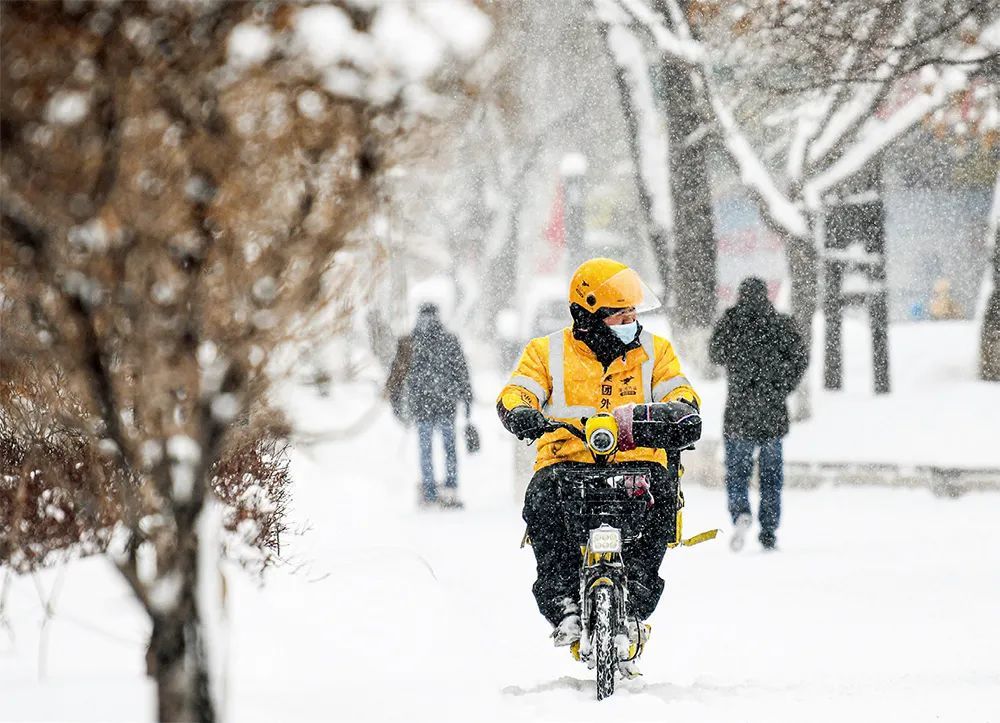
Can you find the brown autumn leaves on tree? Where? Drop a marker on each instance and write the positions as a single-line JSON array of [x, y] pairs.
[[177, 181]]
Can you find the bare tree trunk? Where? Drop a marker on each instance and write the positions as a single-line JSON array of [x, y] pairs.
[[181, 676], [803, 267], [989, 348], [503, 265], [694, 258], [177, 648]]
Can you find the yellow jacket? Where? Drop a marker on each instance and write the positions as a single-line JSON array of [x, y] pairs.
[[561, 377]]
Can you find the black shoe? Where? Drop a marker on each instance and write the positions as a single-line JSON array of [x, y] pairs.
[[767, 540], [426, 498], [448, 498], [569, 628]]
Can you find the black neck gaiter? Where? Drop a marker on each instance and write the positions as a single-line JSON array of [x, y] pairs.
[[592, 331]]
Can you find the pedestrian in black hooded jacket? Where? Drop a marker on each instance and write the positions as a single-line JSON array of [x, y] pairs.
[[428, 379], [765, 358]]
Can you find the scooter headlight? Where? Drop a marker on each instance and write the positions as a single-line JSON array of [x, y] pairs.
[[602, 441], [605, 539], [601, 432]]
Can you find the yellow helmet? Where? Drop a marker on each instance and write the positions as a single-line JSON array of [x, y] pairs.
[[608, 284]]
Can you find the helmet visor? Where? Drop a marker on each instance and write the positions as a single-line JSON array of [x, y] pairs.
[[623, 290]]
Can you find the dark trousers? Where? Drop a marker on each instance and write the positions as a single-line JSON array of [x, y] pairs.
[[557, 556], [425, 431], [739, 469]]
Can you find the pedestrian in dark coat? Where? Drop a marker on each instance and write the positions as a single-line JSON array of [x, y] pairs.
[[765, 358], [428, 380]]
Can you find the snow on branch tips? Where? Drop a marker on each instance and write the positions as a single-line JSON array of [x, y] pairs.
[[682, 47], [858, 106], [753, 173], [877, 133], [405, 45]]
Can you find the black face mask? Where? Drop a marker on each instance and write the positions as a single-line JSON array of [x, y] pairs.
[[591, 330]]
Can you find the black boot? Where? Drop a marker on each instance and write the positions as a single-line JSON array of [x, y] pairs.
[[767, 539]]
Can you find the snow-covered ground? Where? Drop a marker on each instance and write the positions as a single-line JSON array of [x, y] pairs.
[[938, 413], [881, 603]]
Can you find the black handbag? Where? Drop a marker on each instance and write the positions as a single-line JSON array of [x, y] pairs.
[[471, 438]]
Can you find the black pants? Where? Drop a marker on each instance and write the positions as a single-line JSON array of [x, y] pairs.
[[557, 557]]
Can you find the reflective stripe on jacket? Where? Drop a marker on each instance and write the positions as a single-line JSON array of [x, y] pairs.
[[560, 376]]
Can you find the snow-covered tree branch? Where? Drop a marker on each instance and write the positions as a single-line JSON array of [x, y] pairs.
[[646, 131], [838, 81]]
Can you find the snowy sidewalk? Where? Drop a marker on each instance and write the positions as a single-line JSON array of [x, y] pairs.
[[880, 603]]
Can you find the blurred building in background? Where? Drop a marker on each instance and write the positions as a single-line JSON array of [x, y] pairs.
[[937, 200]]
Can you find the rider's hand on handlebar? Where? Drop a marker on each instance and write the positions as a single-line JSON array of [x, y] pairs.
[[691, 403], [526, 423]]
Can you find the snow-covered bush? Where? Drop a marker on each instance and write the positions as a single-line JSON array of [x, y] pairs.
[[60, 493], [179, 181]]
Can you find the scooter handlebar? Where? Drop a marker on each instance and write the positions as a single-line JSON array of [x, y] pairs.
[[672, 426], [554, 424]]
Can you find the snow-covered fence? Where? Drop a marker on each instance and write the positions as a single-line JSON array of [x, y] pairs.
[[943, 481], [705, 466]]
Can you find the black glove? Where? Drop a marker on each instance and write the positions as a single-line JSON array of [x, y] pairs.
[[471, 438], [526, 423], [691, 403]]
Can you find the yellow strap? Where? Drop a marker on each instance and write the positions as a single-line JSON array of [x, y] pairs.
[[700, 537], [695, 539]]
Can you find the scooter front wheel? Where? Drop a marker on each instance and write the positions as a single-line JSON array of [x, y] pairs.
[[604, 648]]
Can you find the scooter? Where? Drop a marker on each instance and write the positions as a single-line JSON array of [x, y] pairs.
[[605, 508]]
